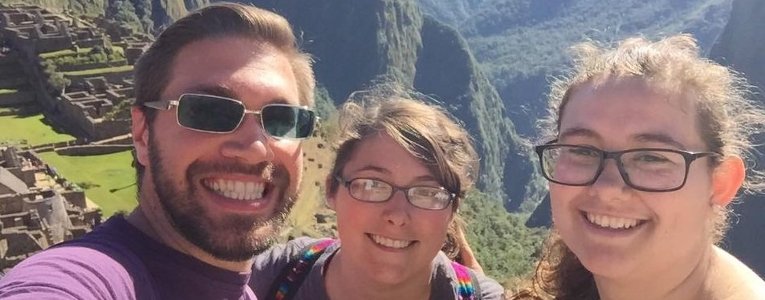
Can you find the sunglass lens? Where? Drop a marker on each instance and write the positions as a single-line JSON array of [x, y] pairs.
[[209, 113], [288, 121]]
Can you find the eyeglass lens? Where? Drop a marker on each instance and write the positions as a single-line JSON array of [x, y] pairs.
[[209, 113], [287, 121]]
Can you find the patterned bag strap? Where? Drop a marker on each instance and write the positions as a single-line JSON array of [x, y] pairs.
[[293, 274], [467, 284]]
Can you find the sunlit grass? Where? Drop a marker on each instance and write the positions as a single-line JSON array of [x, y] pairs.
[[110, 177], [68, 52], [30, 129], [100, 71]]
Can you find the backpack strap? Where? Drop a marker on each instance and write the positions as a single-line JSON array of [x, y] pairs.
[[468, 287], [293, 274]]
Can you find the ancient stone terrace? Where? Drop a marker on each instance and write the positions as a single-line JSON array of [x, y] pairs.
[[124, 36], [86, 106], [39, 30], [38, 208], [90, 105]]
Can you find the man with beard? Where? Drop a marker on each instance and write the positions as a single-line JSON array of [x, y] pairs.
[[220, 112]]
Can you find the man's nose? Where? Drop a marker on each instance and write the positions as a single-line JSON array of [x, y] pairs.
[[249, 142]]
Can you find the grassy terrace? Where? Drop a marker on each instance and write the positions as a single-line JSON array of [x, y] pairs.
[[69, 52], [29, 128], [99, 175], [100, 71]]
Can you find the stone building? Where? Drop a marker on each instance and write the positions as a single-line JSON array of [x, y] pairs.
[[90, 107], [38, 30], [38, 208]]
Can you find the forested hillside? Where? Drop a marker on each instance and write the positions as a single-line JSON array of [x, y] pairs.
[[742, 46], [520, 43]]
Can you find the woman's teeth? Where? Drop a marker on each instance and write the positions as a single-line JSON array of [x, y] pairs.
[[390, 243], [612, 222], [234, 189]]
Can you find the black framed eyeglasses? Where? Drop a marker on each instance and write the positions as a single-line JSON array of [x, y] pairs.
[[215, 114], [376, 191], [643, 169]]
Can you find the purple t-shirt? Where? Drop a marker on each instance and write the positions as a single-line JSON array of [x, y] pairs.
[[118, 261]]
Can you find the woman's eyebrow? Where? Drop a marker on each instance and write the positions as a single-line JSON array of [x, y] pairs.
[[659, 138], [578, 132], [373, 168]]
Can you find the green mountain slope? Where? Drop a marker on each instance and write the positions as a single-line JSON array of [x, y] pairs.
[[520, 43]]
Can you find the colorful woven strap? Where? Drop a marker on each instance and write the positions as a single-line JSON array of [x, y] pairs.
[[465, 289], [298, 271]]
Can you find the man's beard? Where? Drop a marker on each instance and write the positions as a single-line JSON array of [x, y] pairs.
[[235, 237]]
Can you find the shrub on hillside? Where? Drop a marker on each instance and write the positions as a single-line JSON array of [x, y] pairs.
[[504, 246]]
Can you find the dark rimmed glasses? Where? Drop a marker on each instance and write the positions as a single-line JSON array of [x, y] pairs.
[[215, 114], [376, 191], [643, 169]]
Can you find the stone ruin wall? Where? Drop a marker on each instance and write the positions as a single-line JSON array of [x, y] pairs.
[[34, 219], [36, 30]]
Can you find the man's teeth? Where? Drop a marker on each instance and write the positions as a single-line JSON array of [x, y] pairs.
[[390, 243], [612, 222], [240, 190]]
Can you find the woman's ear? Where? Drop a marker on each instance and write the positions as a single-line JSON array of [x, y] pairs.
[[727, 178], [329, 196]]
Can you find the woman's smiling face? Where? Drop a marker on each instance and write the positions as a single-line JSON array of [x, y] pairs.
[[390, 241], [617, 231]]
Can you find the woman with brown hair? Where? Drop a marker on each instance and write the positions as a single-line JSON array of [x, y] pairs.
[[401, 170], [645, 150]]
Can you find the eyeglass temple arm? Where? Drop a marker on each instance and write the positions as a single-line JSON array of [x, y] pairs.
[[162, 104]]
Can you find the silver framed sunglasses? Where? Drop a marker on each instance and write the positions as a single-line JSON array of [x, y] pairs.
[[216, 114]]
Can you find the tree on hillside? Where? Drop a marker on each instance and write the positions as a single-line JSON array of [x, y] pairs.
[[123, 12], [504, 246]]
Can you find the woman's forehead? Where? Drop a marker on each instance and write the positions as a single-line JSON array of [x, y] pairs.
[[629, 108]]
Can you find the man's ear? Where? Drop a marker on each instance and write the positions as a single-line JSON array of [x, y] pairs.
[[328, 195], [727, 178], [140, 130]]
